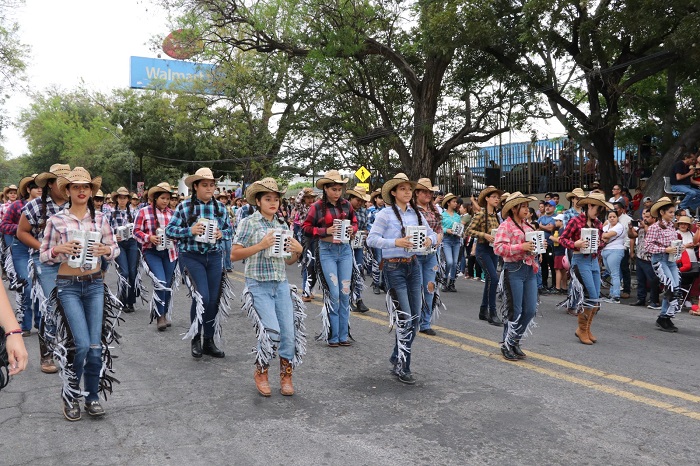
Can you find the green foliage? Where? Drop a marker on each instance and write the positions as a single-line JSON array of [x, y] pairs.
[[13, 54]]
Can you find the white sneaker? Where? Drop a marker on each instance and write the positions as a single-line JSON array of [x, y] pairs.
[[460, 274]]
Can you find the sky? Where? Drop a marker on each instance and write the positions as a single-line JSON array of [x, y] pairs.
[[74, 40]]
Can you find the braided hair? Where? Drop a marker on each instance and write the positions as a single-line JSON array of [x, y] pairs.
[[44, 200], [398, 215]]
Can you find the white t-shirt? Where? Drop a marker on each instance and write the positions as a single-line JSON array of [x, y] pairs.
[[625, 220], [687, 237], [618, 242]]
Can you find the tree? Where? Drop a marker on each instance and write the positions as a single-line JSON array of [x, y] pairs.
[[12, 53]]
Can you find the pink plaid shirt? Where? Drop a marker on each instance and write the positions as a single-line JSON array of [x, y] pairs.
[[58, 226], [509, 244], [145, 227], [658, 239]]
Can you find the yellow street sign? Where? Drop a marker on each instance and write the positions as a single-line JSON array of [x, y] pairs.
[[362, 174], [364, 185]]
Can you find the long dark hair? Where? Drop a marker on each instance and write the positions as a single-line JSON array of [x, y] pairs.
[[192, 217], [44, 200], [413, 205], [259, 196]]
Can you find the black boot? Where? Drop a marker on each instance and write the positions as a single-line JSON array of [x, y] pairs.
[[483, 315], [446, 287], [197, 347], [517, 351], [451, 286], [508, 353], [494, 319], [211, 349], [360, 306]]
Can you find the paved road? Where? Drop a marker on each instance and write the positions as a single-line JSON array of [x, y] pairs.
[[633, 398]]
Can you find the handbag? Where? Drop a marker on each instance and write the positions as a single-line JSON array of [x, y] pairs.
[[565, 262]]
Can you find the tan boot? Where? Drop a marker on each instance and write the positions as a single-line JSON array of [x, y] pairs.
[[47, 364], [594, 311], [286, 387], [261, 382], [162, 323], [582, 330]]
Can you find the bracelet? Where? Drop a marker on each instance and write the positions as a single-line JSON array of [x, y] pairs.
[[14, 332]]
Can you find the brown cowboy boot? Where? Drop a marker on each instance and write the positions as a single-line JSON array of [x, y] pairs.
[[261, 382], [48, 366], [582, 330], [594, 311], [286, 387]]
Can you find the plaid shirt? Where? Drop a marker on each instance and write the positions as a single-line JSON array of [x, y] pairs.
[[481, 225], [362, 218], [659, 236], [10, 219], [32, 212], [569, 214], [179, 226], [572, 232], [250, 232], [434, 219], [316, 223], [299, 213], [3, 209], [509, 242], [119, 218], [640, 247], [58, 226], [145, 227]]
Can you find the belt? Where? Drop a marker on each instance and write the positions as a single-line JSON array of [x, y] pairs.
[[400, 260], [81, 278]]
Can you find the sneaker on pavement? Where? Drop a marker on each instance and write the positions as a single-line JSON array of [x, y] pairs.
[[428, 331], [407, 378], [376, 290], [638, 303], [654, 306], [94, 408], [611, 300]]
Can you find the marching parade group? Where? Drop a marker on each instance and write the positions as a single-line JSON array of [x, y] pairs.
[[60, 238]]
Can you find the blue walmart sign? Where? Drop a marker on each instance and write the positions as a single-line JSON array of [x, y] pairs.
[[158, 73]]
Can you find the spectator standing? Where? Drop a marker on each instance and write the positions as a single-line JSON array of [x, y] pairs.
[[647, 281], [547, 224]]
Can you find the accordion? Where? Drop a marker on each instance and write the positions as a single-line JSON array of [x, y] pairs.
[[283, 238], [458, 229], [163, 241], [537, 240], [125, 232], [343, 231], [210, 228], [493, 233], [417, 234], [591, 235], [86, 259], [677, 244], [359, 240]]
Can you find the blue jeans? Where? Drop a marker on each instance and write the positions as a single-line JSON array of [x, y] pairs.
[[451, 244], [488, 260], [83, 305], [612, 259], [691, 200], [378, 257], [47, 280], [646, 274], [428, 266], [590, 275], [226, 244], [406, 280], [20, 259], [163, 269], [128, 262], [625, 272], [273, 303], [523, 287], [336, 262], [670, 269], [205, 272]]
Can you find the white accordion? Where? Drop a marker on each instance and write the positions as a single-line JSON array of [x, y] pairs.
[[677, 244], [359, 240], [458, 228], [280, 249], [125, 232], [343, 231], [211, 226], [537, 240], [163, 241], [86, 259], [592, 236], [493, 233], [417, 234]]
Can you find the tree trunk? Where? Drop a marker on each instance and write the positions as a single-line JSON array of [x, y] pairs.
[[604, 142], [655, 184]]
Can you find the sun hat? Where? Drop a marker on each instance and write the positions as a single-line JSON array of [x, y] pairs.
[[9, 188], [685, 219], [448, 197], [576, 192], [659, 204], [24, 185], [504, 197], [79, 175], [426, 185], [201, 174], [392, 183], [56, 170], [514, 199], [266, 185], [331, 177], [122, 191], [163, 187], [487, 191], [358, 191], [595, 199], [374, 194]]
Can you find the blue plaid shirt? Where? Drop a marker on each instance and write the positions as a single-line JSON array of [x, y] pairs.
[[32, 211], [179, 226], [119, 218], [371, 214], [362, 219]]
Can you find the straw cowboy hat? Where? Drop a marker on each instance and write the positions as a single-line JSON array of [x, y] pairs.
[[122, 191], [659, 204], [504, 197], [595, 199], [308, 192], [56, 170], [576, 192], [392, 183], [487, 191], [135, 196], [448, 197], [358, 191], [201, 174], [163, 187], [99, 193], [266, 185], [8, 189], [79, 175], [374, 194], [24, 185], [427, 185], [513, 200], [222, 194], [331, 177], [685, 219]]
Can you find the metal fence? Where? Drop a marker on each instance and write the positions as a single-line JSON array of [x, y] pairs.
[[543, 166]]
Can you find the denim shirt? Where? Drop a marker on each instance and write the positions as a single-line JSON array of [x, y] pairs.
[[386, 229]]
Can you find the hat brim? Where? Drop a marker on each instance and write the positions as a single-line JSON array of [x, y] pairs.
[[95, 183], [156, 190], [487, 192], [447, 199], [654, 210], [352, 192], [321, 182], [510, 203], [192, 178], [583, 201], [23, 184], [432, 189], [256, 188], [391, 184]]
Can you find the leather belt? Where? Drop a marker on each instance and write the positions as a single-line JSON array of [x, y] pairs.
[[396, 260], [81, 278]]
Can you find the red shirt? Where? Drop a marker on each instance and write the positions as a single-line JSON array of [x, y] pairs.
[[572, 232]]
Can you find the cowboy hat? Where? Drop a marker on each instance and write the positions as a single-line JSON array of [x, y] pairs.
[[427, 185], [163, 187], [504, 197], [308, 192], [487, 191], [56, 170], [99, 193], [266, 185], [223, 194], [659, 204], [331, 177], [595, 199], [359, 192], [576, 192], [122, 191], [201, 174], [374, 194], [79, 175], [8, 189], [24, 185], [685, 219], [513, 200], [448, 197], [135, 196], [392, 183]]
